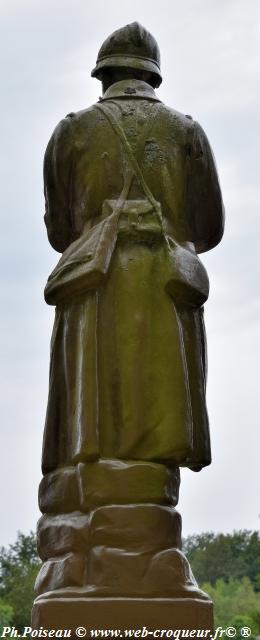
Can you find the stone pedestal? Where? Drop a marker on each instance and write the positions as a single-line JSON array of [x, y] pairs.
[[110, 541], [147, 614]]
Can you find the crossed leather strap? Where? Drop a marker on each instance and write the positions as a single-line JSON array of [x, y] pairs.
[[134, 168]]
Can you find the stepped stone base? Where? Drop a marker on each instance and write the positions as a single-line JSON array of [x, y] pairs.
[[146, 614], [110, 541]]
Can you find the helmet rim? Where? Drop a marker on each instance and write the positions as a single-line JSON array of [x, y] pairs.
[[127, 61]]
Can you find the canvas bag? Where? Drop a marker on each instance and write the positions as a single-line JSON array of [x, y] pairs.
[[85, 263]]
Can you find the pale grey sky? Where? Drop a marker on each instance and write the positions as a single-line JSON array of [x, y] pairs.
[[211, 68]]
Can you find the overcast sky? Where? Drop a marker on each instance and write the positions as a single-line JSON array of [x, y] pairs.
[[211, 68]]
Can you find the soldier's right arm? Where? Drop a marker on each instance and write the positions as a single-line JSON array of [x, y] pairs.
[[57, 186]]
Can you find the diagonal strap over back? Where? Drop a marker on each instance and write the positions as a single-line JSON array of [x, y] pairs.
[[187, 278], [119, 131]]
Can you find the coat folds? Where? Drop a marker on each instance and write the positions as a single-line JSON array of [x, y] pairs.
[[128, 360]]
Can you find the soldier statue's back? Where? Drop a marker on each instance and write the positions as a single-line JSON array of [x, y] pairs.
[[132, 196]]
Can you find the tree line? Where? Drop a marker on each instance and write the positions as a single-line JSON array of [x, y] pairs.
[[227, 567]]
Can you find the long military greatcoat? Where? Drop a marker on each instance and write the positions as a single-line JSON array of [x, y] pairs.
[[128, 361]]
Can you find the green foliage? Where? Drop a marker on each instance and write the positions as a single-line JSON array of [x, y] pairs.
[[6, 614], [244, 621], [19, 565], [215, 556], [228, 568], [236, 604]]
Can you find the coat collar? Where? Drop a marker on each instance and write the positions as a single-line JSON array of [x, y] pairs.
[[130, 89]]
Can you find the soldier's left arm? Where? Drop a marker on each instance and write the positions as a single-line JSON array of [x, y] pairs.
[[205, 205]]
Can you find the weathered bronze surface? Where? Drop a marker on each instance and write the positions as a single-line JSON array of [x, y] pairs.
[[132, 196]]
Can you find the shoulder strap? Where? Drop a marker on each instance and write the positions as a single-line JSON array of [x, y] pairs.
[[119, 131]]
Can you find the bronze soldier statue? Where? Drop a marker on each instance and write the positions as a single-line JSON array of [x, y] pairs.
[[132, 196]]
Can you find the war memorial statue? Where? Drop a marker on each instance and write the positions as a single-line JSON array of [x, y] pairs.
[[132, 196]]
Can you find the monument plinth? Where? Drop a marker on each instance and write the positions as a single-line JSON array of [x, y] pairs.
[[132, 196]]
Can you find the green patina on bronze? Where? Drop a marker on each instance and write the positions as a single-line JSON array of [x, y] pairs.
[[130, 47], [132, 196]]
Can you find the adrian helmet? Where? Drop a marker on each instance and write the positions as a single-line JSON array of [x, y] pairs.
[[131, 46]]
